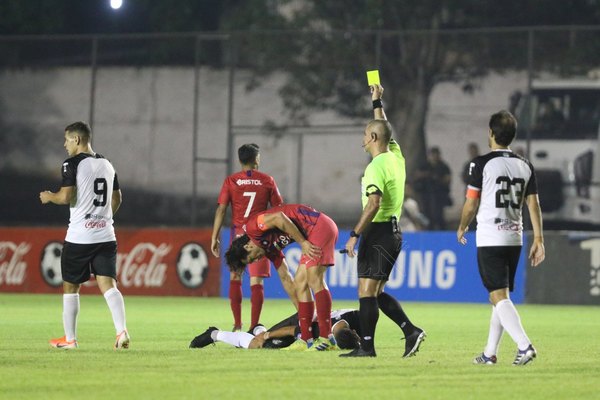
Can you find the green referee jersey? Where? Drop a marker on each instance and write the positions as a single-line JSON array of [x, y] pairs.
[[385, 175]]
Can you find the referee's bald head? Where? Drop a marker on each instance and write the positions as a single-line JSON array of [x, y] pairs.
[[382, 128]]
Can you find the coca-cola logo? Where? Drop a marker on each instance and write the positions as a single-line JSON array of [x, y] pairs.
[[192, 265], [143, 266], [50, 264], [95, 224], [12, 266]]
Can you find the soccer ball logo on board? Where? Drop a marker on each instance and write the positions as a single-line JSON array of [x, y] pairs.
[[50, 264], [192, 265]]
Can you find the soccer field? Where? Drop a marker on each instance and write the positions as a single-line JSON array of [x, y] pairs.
[[159, 364]]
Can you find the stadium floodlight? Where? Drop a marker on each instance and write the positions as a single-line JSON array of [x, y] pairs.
[[116, 4]]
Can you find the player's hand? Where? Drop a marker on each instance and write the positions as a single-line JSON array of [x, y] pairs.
[[376, 91], [309, 249], [460, 235], [45, 196], [215, 247], [258, 341], [350, 244], [537, 253]]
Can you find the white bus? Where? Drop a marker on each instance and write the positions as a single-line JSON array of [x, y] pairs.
[[562, 120]]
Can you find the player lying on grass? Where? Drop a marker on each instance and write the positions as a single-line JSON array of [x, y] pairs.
[[345, 328]]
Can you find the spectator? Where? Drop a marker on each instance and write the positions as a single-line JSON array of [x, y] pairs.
[[432, 183], [550, 119], [412, 219], [473, 151]]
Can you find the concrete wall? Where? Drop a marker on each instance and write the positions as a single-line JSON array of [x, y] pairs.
[[143, 123]]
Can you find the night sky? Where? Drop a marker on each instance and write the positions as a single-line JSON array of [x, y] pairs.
[[96, 16]]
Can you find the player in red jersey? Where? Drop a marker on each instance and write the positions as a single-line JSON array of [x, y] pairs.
[[267, 234], [249, 192]]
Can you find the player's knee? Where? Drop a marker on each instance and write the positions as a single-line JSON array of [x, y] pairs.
[[255, 280], [316, 282], [301, 285], [497, 296], [70, 288]]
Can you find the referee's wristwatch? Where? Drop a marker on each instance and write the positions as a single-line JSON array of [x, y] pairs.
[[354, 234]]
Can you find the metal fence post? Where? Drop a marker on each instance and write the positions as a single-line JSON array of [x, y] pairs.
[[378, 49], [193, 213], [300, 154], [94, 66], [230, 94], [530, 39]]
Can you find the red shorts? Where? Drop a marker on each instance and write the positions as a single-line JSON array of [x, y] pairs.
[[259, 268], [324, 235]]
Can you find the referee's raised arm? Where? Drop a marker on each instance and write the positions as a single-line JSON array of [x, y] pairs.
[[376, 95]]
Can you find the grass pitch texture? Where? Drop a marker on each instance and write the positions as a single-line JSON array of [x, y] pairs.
[[159, 364]]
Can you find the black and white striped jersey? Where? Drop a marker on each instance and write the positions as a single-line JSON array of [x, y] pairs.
[[94, 178], [502, 180], [348, 315]]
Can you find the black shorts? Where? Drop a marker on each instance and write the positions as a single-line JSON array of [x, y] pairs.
[[280, 343], [498, 266], [292, 320], [378, 250], [79, 260]]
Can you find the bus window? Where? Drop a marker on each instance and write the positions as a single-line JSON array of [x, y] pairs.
[[563, 114], [549, 119]]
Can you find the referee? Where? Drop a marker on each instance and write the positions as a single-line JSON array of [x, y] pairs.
[[382, 198]]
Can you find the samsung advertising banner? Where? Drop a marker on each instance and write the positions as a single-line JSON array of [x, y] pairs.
[[432, 267]]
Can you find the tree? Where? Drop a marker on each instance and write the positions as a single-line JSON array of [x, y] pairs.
[[326, 47]]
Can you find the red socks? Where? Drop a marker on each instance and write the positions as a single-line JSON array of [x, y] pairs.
[[235, 299], [306, 311], [257, 299], [323, 301]]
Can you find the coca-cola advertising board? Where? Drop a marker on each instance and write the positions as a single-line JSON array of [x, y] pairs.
[[162, 262]]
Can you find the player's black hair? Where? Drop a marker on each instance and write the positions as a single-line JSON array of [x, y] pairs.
[[80, 127], [236, 254], [504, 127], [346, 339], [247, 153]]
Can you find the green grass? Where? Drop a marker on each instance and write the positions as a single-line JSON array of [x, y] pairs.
[[160, 366]]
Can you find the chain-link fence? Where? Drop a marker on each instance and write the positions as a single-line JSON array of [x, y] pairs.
[[169, 110]]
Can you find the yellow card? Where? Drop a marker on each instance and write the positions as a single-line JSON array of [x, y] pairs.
[[373, 77]]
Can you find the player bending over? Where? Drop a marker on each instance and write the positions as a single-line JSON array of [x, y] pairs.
[[267, 234]]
